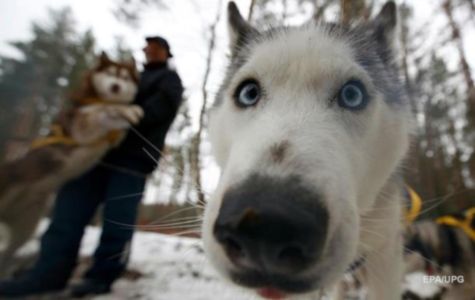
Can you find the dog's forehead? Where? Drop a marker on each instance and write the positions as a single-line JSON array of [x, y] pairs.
[[305, 52], [116, 70], [313, 52]]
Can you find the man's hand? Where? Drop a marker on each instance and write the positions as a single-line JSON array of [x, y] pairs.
[[94, 122], [120, 116]]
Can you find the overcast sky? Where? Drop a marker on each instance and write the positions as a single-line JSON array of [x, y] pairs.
[[184, 24]]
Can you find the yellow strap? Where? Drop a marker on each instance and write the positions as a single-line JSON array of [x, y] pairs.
[[465, 224], [416, 205], [58, 137], [52, 140], [88, 101], [470, 213]]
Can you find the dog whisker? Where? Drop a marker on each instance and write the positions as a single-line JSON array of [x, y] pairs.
[[163, 157], [384, 238], [125, 196], [176, 212], [179, 170]]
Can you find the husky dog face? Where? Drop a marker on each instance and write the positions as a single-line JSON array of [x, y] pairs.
[[115, 82], [309, 125]]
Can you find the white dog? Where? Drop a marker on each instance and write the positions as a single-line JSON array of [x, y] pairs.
[[310, 127]]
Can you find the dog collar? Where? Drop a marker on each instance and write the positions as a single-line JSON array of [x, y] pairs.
[[356, 264]]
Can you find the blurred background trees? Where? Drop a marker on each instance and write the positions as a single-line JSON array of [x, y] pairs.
[[435, 67], [33, 87]]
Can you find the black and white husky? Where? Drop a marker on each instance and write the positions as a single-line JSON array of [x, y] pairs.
[[443, 251], [310, 127]]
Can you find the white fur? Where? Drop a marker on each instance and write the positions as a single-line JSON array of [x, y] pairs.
[[348, 157], [104, 81]]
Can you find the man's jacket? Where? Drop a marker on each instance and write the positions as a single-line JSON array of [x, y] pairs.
[[159, 94]]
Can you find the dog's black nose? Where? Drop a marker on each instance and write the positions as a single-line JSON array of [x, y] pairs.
[[115, 88], [272, 225]]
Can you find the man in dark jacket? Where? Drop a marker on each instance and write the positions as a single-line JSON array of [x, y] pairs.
[[117, 183]]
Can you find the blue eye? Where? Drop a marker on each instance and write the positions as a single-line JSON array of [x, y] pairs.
[[247, 94], [353, 95]]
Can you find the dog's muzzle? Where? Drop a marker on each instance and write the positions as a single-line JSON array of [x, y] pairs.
[[272, 230]]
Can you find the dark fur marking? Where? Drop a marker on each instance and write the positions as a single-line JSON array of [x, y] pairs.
[[279, 151], [450, 247]]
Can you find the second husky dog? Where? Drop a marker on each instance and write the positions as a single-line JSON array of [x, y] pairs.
[[445, 251], [97, 122], [310, 127]]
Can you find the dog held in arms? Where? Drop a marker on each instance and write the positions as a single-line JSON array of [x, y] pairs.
[[98, 120], [310, 128]]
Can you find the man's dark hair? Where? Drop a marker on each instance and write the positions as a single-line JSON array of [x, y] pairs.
[[160, 41]]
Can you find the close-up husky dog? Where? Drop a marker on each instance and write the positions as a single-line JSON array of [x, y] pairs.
[[310, 127], [445, 251], [97, 121]]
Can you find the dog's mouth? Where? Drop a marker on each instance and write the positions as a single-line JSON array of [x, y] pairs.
[[278, 286], [271, 293], [273, 286]]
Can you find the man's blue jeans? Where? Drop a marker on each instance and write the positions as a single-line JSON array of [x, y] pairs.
[[76, 204]]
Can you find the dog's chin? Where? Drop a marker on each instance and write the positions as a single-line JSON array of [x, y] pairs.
[[115, 98], [126, 96], [275, 286]]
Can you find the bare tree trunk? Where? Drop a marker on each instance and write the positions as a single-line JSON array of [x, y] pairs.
[[458, 40], [456, 174], [197, 140], [251, 10], [319, 10], [285, 7], [471, 4], [466, 71], [178, 176], [352, 10]]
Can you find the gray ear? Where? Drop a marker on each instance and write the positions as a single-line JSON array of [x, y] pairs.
[[239, 29], [386, 24]]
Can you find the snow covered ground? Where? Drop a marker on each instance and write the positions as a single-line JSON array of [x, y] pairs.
[[175, 268]]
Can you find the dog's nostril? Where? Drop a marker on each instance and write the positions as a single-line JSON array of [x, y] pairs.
[[291, 255], [233, 248]]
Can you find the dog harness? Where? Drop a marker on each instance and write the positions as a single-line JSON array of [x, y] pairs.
[[414, 205], [58, 136], [467, 223]]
